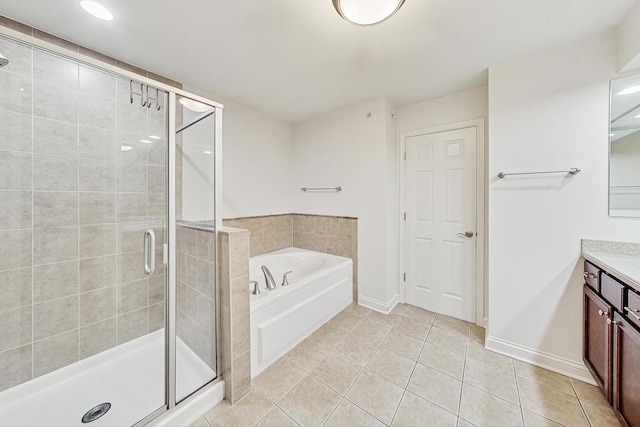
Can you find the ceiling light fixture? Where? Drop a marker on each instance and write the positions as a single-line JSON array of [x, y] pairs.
[[97, 10], [125, 147], [630, 90], [146, 141], [192, 105], [207, 152], [367, 12], [154, 137]]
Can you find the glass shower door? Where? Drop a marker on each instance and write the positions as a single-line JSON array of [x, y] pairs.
[[195, 246]]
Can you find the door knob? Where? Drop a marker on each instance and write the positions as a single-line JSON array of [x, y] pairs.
[[468, 234]]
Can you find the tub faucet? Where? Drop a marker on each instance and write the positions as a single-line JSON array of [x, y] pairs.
[[256, 288], [268, 278], [285, 279]]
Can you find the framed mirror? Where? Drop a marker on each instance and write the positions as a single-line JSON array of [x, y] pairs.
[[624, 147]]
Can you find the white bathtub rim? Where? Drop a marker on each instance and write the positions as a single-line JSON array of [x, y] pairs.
[[283, 291]]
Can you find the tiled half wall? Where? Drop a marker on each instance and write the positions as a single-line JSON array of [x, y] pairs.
[[333, 235]]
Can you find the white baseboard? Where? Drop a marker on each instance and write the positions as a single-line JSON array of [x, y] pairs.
[[186, 413], [541, 359], [382, 307]]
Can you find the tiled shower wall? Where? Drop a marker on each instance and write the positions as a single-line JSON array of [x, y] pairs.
[[321, 233], [196, 290], [74, 209]]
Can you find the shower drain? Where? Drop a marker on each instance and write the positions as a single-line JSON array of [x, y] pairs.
[[96, 412]]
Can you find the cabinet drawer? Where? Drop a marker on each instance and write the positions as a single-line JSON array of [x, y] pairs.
[[591, 275], [612, 290], [632, 309]]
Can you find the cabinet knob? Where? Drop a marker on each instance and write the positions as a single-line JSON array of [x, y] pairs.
[[611, 322], [601, 313], [588, 275]]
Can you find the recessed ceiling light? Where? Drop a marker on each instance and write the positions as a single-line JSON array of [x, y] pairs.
[[97, 10], [154, 137], [196, 106], [366, 12], [21, 89], [146, 141], [630, 90], [124, 147], [207, 152]]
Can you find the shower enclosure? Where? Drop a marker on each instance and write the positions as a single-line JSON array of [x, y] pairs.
[[108, 196]]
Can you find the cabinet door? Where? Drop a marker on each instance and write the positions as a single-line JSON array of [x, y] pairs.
[[626, 402], [597, 345]]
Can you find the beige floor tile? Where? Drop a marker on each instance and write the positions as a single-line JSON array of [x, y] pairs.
[[391, 366], [413, 328], [399, 309], [403, 344], [247, 412], [357, 310], [453, 341], [477, 333], [476, 351], [279, 378], [436, 357], [356, 349], [377, 396], [200, 422], [436, 387], [344, 320], [277, 418], [416, 411], [551, 403], [337, 372], [588, 392], [544, 377], [310, 403], [388, 320], [308, 353], [483, 409], [451, 324], [600, 416], [464, 423], [535, 420], [419, 314], [329, 335], [496, 381], [371, 331], [347, 414]]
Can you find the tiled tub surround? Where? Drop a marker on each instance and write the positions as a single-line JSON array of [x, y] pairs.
[[74, 209], [321, 233], [234, 352], [196, 290], [409, 368]]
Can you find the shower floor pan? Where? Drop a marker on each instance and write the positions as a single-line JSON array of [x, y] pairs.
[[129, 376]]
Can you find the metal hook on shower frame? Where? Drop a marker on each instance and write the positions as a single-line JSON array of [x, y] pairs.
[[142, 101]]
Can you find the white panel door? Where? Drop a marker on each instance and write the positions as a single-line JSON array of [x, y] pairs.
[[440, 199]]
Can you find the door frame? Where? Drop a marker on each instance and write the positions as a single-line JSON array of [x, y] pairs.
[[480, 241]]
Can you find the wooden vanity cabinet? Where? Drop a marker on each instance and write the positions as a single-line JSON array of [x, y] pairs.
[[598, 340], [626, 373]]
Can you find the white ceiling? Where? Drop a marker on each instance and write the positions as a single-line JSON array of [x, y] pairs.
[[295, 59]]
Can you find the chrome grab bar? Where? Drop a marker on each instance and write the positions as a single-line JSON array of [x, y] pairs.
[[321, 188], [149, 252], [571, 171]]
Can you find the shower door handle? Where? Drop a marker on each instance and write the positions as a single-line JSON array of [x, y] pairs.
[[149, 252]]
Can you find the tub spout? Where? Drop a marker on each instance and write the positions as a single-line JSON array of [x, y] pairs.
[[268, 278]]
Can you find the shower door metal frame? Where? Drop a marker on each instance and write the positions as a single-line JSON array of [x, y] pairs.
[[170, 284]]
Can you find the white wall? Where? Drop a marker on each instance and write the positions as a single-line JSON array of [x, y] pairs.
[[257, 165], [349, 149], [628, 34], [548, 111]]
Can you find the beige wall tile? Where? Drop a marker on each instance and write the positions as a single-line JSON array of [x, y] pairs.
[[340, 246], [55, 317], [312, 242], [96, 338], [310, 224], [15, 367], [239, 257], [97, 305], [15, 327], [55, 209], [156, 317], [55, 352], [97, 273], [52, 245], [341, 227], [132, 296], [132, 325], [240, 297], [240, 334], [241, 376], [15, 288], [15, 251]]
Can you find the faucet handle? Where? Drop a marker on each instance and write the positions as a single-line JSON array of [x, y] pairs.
[[256, 288], [285, 280]]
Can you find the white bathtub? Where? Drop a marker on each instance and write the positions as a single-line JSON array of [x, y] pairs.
[[320, 286]]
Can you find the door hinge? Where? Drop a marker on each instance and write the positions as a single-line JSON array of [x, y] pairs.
[[405, 216], [404, 277]]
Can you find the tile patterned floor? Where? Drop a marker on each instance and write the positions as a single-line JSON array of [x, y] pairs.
[[410, 368]]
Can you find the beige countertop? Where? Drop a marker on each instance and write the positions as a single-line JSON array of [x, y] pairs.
[[619, 259]]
